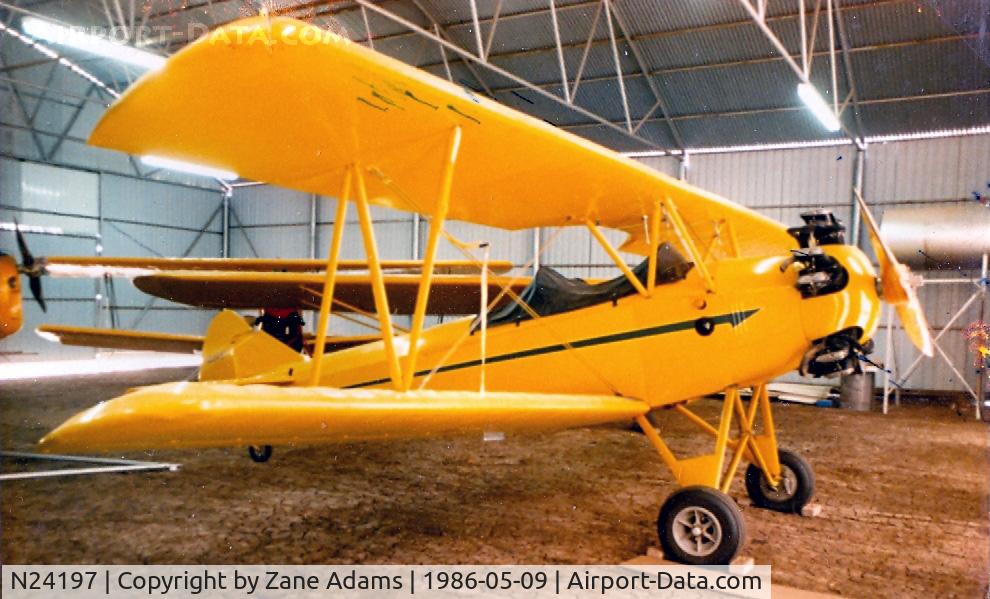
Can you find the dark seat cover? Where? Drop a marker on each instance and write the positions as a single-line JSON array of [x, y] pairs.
[[552, 293]]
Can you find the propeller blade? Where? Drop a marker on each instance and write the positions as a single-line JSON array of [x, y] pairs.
[[27, 260], [34, 284], [916, 325], [896, 285], [27, 267]]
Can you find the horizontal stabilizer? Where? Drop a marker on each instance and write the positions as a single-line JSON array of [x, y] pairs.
[[164, 342], [188, 415], [126, 340]]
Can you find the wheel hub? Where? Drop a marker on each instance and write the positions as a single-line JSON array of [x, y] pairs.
[[786, 487], [697, 531]]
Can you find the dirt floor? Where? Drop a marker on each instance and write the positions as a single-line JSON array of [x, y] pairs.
[[905, 499]]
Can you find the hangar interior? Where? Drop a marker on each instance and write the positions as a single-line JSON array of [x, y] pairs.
[[704, 94], [704, 91]]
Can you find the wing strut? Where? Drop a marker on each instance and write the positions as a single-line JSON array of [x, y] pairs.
[[328, 282], [436, 228], [377, 281], [602, 241], [651, 277], [685, 238]]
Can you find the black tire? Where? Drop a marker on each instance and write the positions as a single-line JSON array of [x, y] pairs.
[[715, 517], [260, 454], [798, 483]]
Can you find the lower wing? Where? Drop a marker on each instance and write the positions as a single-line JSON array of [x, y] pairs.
[[190, 415]]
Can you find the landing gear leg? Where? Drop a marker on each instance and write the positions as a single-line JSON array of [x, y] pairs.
[[700, 524], [260, 454]]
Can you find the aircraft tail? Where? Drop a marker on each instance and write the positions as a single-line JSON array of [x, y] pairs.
[[234, 350]]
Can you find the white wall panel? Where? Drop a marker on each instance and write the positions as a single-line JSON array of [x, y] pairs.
[[807, 178], [515, 246], [34, 347], [159, 203], [59, 190], [277, 241], [667, 165], [267, 204]]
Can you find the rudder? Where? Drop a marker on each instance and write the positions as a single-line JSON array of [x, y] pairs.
[[234, 350]]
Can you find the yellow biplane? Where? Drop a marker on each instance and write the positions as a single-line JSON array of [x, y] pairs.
[[725, 299]]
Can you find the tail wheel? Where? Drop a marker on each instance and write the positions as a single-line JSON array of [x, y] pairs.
[[796, 487], [260, 454], [700, 526]]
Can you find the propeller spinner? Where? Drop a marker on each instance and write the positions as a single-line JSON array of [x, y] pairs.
[[898, 286]]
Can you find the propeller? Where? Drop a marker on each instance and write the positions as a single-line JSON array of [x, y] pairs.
[[898, 285], [30, 267]]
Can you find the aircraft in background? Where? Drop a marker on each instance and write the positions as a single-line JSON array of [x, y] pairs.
[[724, 298], [238, 283]]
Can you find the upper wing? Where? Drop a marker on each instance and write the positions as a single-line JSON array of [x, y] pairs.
[[218, 415], [450, 294], [282, 101], [90, 266]]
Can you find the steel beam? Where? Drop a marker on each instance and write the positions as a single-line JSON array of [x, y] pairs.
[[476, 27], [618, 65], [847, 67], [491, 30], [734, 113], [587, 48], [77, 111], [760, 21], [759, 60], [225, 226], [151, 301], [503, 73], [29, 125], [560, 52], [638, 56], [442, 36], [803, 76], [367, 29], [855, 215]]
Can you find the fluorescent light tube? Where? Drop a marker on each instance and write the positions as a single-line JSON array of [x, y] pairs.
[[93, 44], [188, 167], [814, 101]]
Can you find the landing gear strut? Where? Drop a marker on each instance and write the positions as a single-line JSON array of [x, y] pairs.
[[700, 524]]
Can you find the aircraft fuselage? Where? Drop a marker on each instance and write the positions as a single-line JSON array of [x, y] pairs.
[[680, 342]]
